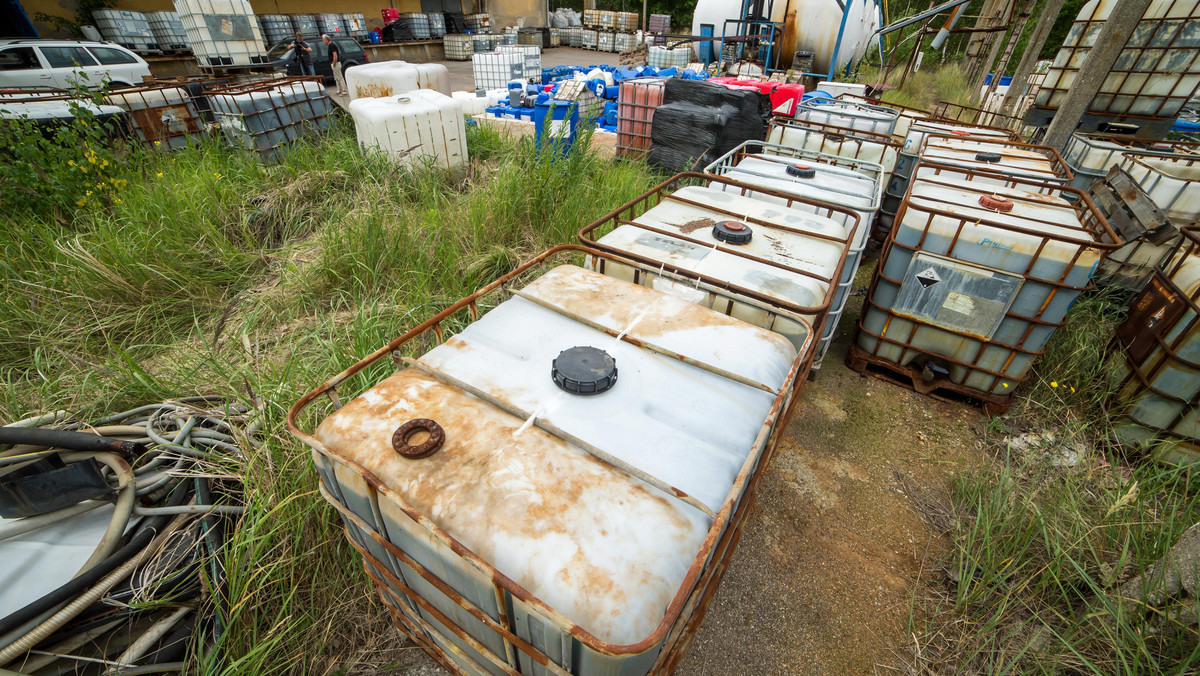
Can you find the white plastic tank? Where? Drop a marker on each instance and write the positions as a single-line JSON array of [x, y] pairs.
[[128, 29], [458, 47], [168, 30], [473, 104], [852, 184], [666, 57], [788, 255], [389, 78], [1171, 182], [266, 117], [1157, 377], [962, 299], [1154, 75], [1007, 160], [1091, 156], [222, 32], [412, 126], [600, 523], [848, 115], [879, 150], [817, 26]]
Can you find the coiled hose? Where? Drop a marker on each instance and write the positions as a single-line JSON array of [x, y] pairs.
[[157, 459]]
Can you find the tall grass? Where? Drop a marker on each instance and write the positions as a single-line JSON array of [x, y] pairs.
[[215, 274], [1044, 536]]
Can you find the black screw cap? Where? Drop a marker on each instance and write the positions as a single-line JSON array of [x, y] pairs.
[[585, 371], [732, 232], [800, 171]]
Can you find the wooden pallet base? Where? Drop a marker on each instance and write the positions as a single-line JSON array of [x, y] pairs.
[[909, 377]]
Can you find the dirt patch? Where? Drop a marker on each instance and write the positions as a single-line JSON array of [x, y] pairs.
[[697, 224], [823, 578]]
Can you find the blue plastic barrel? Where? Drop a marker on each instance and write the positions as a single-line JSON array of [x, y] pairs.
[[556, 123]]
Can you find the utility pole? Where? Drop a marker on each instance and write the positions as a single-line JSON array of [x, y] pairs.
[[1109, 44], [1036, 41]]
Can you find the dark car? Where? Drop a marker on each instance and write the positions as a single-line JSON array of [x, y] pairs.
[[282, 58]]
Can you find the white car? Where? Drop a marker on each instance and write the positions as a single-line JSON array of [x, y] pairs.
[[55, 63]]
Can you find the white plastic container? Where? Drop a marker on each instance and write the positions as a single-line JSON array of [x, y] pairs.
[[1009, 160], [973, 283], [1172, 182], [1154, 76], [1091, 156], [667, 57], [836, 89], [879, 150], [852, 184], [496, 70], [265, 117], [792, 256], [458, 47], [390, 78], [414, 125], [306, 24], [168, 30], [222, 32], [581, 522], [473, 104], [531, 57], [848, 115], [128, 29]]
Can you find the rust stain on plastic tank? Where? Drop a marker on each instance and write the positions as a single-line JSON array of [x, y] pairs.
[[650, 313], [372, 91], [547, 515]]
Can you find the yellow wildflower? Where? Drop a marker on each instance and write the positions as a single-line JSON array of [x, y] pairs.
[[158, 175], [1053, 383], [117, 200], [81, 201]]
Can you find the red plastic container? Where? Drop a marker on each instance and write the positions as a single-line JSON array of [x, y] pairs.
[[390, 15], [785, 98]]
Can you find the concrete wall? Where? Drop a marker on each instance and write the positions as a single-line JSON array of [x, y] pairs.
[[504, 12]]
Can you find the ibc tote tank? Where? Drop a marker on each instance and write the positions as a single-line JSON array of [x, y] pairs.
[[222, 32], [836, 37]]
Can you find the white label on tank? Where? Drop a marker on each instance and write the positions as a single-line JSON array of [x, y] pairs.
[[960, 303], [558, 127]]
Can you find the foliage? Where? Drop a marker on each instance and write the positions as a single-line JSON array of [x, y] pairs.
[[73, 164], [83, 16]]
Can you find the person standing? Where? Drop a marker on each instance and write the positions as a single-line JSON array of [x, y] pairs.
[[335, 62], [302, 53]]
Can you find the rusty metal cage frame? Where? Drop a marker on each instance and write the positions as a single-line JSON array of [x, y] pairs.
[[590, 235], [686, 610], [239, 88], [1091, 220], [148, 126], [1093, 23], [634, 143], [954, 112], [1155, 176], [1142, 372]]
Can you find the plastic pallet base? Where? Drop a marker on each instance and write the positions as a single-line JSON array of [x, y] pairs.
[[909, 377]]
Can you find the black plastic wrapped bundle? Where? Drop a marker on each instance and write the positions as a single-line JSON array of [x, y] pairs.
[[455, 23], [701, 121]]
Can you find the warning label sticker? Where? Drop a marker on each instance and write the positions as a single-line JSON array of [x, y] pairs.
[[928, 277]]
